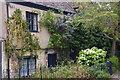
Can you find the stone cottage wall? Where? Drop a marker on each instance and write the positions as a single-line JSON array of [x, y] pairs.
[[43, 36]]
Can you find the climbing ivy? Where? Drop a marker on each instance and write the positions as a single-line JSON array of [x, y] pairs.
[[19, 36], [69, 36], [60, 32]]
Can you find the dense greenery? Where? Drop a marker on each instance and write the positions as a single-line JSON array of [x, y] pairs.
[[115, 63], [104, 16], [60, 33], [64, 71], [84, 38], [73, 71], [69, 36], [98, 70], [91, 56], [94, 60]]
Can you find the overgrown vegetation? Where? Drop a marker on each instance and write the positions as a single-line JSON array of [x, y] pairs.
[[73, 71], [60, 33], [104, 15], [91, 56], [69, 36], [115, 63], [94, 59], [19, 36], [84, 38], [64, 71]]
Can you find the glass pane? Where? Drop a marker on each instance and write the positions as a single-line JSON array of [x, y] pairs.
[[31, 66], [35, 22], [28, 15], [23, 70]]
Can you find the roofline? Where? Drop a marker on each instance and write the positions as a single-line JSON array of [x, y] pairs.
[[41, 7]]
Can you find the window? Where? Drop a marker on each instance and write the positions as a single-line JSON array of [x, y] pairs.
[[27, 66], [32, 20], [52, 60]]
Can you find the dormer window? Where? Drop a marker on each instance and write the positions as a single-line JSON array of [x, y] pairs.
[[32, 19]]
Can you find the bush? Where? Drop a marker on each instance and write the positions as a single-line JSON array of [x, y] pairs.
[[73, 71], [94, 60], [115, 63], [98, 70], [102, 74], [91, 56], [65, 71]]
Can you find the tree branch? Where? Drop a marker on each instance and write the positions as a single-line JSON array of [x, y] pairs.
[[108, 36]]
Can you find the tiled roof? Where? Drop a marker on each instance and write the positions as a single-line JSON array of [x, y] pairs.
[[65, 6]]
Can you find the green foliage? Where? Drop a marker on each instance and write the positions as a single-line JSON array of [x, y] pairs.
[[73, 71], [49, 18], [60, 33], [64, 71], [91, 56], [102, 15], [115, 63], [102, 74], [71, 36], [98, 70], [19, 36], [88, 37]]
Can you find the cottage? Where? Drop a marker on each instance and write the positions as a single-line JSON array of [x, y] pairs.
[[46, 56]]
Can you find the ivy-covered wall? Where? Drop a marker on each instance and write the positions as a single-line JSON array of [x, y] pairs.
[[43, 38], [42, 34]]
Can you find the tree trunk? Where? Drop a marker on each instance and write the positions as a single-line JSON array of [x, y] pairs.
[[113, 47]]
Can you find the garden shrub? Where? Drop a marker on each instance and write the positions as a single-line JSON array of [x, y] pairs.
[[115, 63], [84, 38], [98, 70], [72, 71], [91, 56], [102, 74], [65, 71], [94, 61]]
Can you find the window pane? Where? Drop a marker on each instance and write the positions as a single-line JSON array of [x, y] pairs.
[[24, 68], [31, 66], [35, 22], [32, 21], [27, 15]]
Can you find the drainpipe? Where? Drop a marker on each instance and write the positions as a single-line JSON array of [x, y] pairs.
[[8, 69]]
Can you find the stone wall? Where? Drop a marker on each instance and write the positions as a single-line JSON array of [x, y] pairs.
[[43, 36]]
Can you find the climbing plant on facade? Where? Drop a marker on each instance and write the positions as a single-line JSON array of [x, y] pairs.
[[19, 36], [60, 32], [69, 35]]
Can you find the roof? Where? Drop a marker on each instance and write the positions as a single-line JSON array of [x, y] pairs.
[[65, 6]]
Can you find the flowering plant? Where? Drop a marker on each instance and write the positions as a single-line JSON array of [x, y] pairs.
[[91, 56]]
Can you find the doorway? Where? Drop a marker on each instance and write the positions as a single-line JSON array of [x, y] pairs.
[[52, 60]]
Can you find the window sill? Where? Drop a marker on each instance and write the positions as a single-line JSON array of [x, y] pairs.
[[34, 31]]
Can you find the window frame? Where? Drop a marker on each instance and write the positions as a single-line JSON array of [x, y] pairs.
[[27, 70], [29, 17]]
